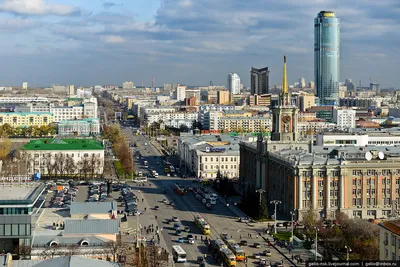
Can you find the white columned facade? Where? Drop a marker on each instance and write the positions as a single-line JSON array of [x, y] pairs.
[[342, 192], [300, 192], [314, 191]]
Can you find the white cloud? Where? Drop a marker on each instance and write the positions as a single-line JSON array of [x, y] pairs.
[[114, 39], [36, 7]]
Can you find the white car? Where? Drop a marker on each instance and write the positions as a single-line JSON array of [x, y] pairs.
[[168, 175], [190, 239]]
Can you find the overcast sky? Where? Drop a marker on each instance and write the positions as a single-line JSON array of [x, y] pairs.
[[193, 42]]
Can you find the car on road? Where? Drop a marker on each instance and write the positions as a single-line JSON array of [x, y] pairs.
[[257, 245], [190, 239], [175, 175], [187, 229], [267, 252], [209, 206], [168, 175], [175, 219], [279, 225], [181, 240], [200, 259], [165, 201], [177, 226], [172, 203], [156, 207], [256, 255], [243, 243], [178, 232]]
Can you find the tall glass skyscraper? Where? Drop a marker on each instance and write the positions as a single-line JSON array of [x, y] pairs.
[[327, 57]]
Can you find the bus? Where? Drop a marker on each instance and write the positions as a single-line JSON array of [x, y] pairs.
[[228, 257], [202, 224], [178, 254], [179, 189], [219, 244], [236, 250]]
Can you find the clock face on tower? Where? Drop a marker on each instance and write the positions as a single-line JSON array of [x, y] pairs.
[[286, 119]]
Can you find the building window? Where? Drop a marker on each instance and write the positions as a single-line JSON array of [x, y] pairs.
[[211, 159], [7, 229], [320, 183], [222, 159], [14, 229], [393, 240], [205, 159]]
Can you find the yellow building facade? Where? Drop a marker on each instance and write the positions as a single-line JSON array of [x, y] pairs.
[[26, 119]]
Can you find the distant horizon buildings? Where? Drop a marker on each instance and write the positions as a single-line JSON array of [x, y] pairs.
[[259, 81], [327, 57], [25, 85], [234, 83]]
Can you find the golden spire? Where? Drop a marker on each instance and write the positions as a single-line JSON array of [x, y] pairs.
[[284, 85]]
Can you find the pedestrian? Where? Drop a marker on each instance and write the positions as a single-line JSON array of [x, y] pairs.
[[156, 218], [144, 208], [142, 199], [240, 236], [201, 238], [195, 237], [257, 236]]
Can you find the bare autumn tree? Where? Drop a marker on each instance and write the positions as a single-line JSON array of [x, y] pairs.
[[363, 238], [310, 221], [94, 163], [115, 248], [71, 250]]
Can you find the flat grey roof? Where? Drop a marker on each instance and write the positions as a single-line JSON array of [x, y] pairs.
[[91, 226], [92, 207], [16, 191]]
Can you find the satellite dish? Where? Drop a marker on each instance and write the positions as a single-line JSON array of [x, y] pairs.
[[368, 156], [381, 155]]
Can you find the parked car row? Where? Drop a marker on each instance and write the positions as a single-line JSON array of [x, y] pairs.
[[63, 198], [97, 192], [129, 201]]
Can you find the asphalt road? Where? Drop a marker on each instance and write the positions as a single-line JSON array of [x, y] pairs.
[[221, 218]]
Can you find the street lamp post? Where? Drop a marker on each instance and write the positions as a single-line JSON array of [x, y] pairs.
[[292, 217], [260, 191], [348, 250], [316, 243], [275, 202]]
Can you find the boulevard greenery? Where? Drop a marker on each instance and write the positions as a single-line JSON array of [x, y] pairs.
[[120, 148], [360, 235]]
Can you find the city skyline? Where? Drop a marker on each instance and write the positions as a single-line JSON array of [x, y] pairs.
[[74, 42]]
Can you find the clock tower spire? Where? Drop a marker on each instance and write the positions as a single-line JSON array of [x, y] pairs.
[[284, 116]]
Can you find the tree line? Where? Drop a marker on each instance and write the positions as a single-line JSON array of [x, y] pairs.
[[120, 147], [63, 165], [7, 130]]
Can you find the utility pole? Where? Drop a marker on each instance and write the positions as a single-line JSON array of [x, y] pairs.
[[275, 202], [292, 217], [316, 243], [348, 250]]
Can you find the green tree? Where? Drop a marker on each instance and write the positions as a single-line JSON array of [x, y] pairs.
[[263, 210]]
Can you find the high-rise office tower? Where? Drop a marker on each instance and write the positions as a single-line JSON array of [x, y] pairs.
[[259, 81], [302, 82], [326, 57], [234, 83]]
